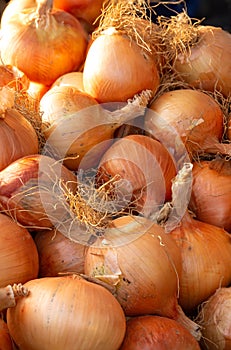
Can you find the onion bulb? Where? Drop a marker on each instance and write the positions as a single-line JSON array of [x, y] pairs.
[[210, 196], [58, 254], [5, 338], [66, 313], [143, 169], [74, 79], [18, 255], [214, 318], [18, 137], [138, 270], [155, 332], [194, 115], [206, 253], [12, 77], [43, 42], [32, 191]]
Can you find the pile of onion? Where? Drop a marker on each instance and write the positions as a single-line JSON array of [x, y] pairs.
[[66, 313], [155, 332], [214, 318], [211, 187], [194, 115], [43, 42], [206, 255], [18, 255], [32, 191], [143, 265]]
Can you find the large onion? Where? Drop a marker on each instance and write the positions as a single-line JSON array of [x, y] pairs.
[[18, 254], [66, 313], [160, 333], [144, 271], [211, 187], [194, 115], [206, 254], [43, 42]]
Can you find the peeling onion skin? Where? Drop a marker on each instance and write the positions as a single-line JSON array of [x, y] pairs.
[[207, 66], [215, 320], [206, 255], [151, 332], [211, 189], [116, 68]]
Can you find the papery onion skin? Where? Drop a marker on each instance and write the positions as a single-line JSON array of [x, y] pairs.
[[13, 78], [211, 188], [55, 42], [206, 254], [147, 167], [27, 190], [5, 338], [58, 254], [116, 68], [214, 318], [195, 116], [19, 257], [207, 65], [155, 332], [18, 138], [66, 313]]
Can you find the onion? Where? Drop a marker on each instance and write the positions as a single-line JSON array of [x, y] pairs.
[[206, 254], [139, 268], [194, 115], [206, 64], [116, 68], [37, 90], [32, 191], [55, 42], [144, 170], [5, 338], [214, 318], [160, 333], [19, 256], [211, 187], [66, 313], [58, 254], [74, 79], [13, 78], [18, 138]]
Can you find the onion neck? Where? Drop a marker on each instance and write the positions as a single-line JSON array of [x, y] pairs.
[[43, 10]]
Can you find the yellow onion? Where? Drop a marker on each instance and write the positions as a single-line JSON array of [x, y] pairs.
[[18, 256], [206, 64], [194, 115], [206, 254], [211, 187], [143, 264], [116, 68], [18, 138], [32, 191], [74, 79], [5, 338], [13, 78], [37, 90], [43, 42], [14, 6], [66, 313], [155, 332], [143, 169], [58, 254], [215, 321]]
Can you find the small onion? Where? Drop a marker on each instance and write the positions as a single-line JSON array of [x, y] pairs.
[[66, 313], [43, 42], [74, 79], [37, 90], [206, 65], [215, 320], [32, 191], [194, 115], [211, 188], [116, 68], [144, 169], [13, 78], [58, 254], [206, 256], [5, 338], [155, 332], [144, 271], [18, 138], [18, 255]]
